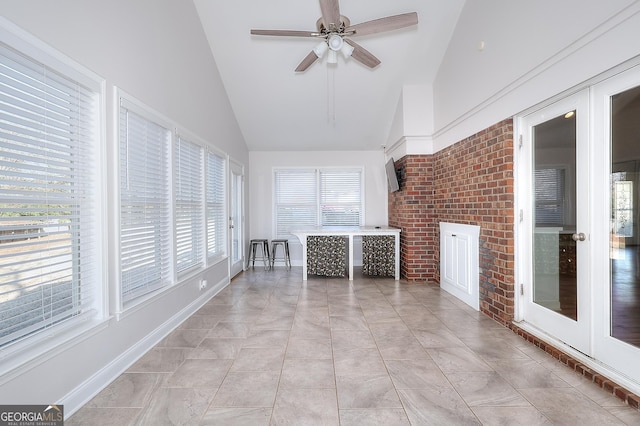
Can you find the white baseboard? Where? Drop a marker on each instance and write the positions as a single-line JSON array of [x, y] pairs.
[[82, 394]]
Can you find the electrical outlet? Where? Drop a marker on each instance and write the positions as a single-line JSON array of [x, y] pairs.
[[203, 284]]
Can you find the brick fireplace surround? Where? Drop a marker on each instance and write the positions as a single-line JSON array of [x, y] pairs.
[[471, 182]]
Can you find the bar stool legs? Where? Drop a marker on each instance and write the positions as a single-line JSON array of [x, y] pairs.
[[285, 255], [263, 244]]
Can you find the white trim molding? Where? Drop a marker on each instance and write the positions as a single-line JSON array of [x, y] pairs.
[[410, 145]]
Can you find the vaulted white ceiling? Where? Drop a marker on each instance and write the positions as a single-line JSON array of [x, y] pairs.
[[345, 106]]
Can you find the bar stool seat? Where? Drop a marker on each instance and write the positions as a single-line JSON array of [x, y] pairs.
[[263, 244], [285, 252]]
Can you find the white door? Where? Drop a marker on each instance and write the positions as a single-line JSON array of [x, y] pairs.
[[616, 211], [554, 228], [236, 218]]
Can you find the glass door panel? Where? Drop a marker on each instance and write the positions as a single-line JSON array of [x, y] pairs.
[[624, 254], [555, 258]]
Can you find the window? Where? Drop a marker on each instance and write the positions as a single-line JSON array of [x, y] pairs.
[[622, 209], [317, 197], [50, 263], [340, 198], [172, 203], [145, 207], [189, 213], [296, 200], [549, 184], [215, 206]]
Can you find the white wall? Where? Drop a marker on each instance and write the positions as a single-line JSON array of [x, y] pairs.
[[414, 114], [153, 50], [533, 50], [412, 126], [262, 164], [157, 52]]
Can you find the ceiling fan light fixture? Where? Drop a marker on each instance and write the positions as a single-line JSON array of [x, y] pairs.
[[335, 42], [320, 49], [333, 57], [347, 50]]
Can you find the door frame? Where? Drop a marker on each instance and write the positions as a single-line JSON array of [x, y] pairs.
[[236, 169], [600, 361]]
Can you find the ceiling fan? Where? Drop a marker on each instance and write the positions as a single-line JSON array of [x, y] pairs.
[[334, 30]]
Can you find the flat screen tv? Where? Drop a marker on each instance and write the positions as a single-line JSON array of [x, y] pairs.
[[392, 177]]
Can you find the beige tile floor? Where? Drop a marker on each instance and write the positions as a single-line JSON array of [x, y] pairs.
[[272, 349]]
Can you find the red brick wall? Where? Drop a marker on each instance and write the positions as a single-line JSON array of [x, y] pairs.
[[470, 182], [411, 209]]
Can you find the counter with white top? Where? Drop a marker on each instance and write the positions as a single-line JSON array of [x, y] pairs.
[[349, 233]]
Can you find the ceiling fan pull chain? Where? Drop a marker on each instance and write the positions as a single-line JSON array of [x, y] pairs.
[[331, 96]]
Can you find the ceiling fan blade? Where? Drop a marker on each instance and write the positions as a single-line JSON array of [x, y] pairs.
[[307, 61], [286, 33], [384, 24], [362, 55], [330, 13]]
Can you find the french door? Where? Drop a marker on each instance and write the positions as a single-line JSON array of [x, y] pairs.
[[579, 229], [555, 222], [236, 218], [617, 146]]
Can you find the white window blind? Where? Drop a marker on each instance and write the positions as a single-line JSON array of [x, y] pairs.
[[145, 207], [296, 200], [189, 213], [549, 184], [316, 197], [48, 231], [215, 205], [340, 197]]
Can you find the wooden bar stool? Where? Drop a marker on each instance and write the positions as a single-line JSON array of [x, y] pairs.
[[285, 253], [263, 244]]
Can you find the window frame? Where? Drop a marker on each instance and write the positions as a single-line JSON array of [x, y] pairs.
[[124, 100], [198, 260], [222, 206], [41, 344]]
